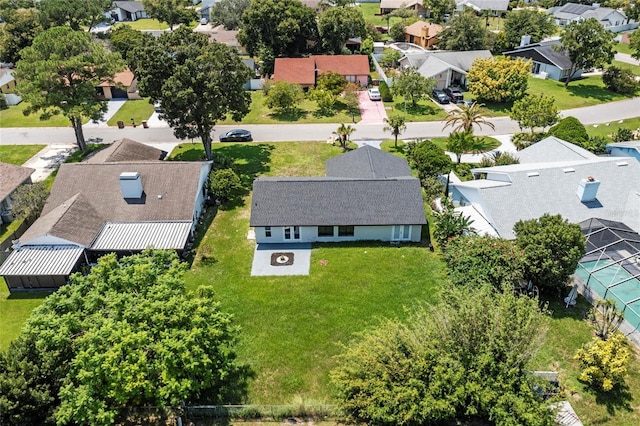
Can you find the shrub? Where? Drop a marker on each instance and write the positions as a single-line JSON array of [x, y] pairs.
[[596, 144], [3, 102], [525, 139], [623, 135], [385, 92], [428, 159], [433, 188], [571, 130], [223, 183], [604, 362], [619, 80]]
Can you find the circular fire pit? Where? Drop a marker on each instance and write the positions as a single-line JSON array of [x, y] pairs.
[[281, 259]]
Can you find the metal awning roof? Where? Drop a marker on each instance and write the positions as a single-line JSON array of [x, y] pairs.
[[41, 260], [117, 236]]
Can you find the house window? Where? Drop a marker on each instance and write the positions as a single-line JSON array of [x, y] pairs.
[[325, 231], [565, 73], [267, 231], [287, 233], [345, 231]]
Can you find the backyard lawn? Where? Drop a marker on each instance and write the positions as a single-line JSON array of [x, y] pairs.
[[144, 24], [14, 311], [139, 109], [14, 117], [425, 110], [18, 154]]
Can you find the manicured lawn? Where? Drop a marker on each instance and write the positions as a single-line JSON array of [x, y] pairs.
[[307, 113], [370, 11], [425, 110], [14, 117], [606, 131], [626, 66], [14, 311], [623, 48], [144, 24], [139, 109], [18, 154], [292, 326]]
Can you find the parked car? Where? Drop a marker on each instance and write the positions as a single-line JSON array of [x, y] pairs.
[[440, 96], [374, 94], [454, 94], [157, 107], [204, 21], [236, 135]]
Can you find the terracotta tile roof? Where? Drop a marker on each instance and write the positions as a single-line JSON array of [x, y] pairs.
[[295, 70], [127, 150], [12, 177], [342, 64], [124, 78], [415, 29]]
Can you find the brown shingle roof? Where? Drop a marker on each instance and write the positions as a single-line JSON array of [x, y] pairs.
[[12, 177], [127, 150], [295, 70], [415, 29], [342, 64], [124, 78]]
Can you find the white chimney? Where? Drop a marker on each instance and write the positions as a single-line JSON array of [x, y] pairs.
[[525, 40], [131, 185], [588, 189]]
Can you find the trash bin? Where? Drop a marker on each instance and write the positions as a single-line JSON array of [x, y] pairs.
[[144, 124], [120, 124], [6, 217]]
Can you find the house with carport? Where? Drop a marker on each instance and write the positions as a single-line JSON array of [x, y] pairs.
[[123, 200], [366, 194]]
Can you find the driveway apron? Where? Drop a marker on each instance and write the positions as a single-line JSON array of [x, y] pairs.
[[372, 112]]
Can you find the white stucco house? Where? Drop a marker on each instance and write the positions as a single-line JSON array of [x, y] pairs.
[[546, 59], [612, 19], [367, 194]]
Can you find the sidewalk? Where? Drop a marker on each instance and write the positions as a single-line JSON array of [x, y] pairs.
[[47, 160]]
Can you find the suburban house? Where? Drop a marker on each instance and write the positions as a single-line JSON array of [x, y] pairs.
[[127, 11], [555, 177], [108, 204], [12, 177], [447, 67], [305, 71], [388, 6], [612, 19], [123, 86], [367, 194], [625, 149], [8, 87], [424, 34], [495, 7], [228, 37], [546, 60], [205, 9]]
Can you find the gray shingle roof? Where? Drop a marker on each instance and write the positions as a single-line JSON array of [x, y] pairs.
[[12, 177], [546, 52], [130, 6], [367, 163], [336, 201], [127, 150], [552, 149]]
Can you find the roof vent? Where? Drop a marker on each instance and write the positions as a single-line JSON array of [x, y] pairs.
[[588, 189], [622, 163], [569, 170], [131, 185], [533, 174]]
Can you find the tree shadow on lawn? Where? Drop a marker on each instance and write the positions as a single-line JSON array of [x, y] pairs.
[[558, 307], [614, 400], [29, 294], [293, 115], [419, 109], [592, 91], [195, 153]]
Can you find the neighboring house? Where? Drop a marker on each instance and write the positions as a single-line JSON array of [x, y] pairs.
[[367, 194], [205, 9], [255, 82], [317, 5], [12, 177], [447, 67], [612, 19], [554, 177], [123, 86], [305, 71], [495, 7], [546, 59], [8, 86], [388, 6], [422, 33], [117, 205], [228, 37], [625, 149], [127, 11]]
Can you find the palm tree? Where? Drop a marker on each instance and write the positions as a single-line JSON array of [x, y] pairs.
[[465, 143], [465, 117], [395, 124], [343, 132]]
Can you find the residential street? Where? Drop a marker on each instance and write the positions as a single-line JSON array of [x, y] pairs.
[[599, 114]]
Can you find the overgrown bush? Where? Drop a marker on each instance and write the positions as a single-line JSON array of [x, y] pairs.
[[223, 182], [623, 135], [571, 130], [596, 144], [619, 80], [433, 188], [604, 362], [3, 102], [525, 139], [385, 92]]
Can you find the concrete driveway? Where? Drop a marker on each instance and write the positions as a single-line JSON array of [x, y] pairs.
[[372, 112]]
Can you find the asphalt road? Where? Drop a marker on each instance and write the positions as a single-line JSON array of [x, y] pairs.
[[605, 113]]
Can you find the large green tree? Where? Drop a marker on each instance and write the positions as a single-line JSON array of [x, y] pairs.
[[462, 361], [552, 248], [588, 45], [534, 111], [173, 12], [20, 28], [438, 8], [534, 23], [74, 13], [429, 159], [59, 72], [395, 124], [336, 25], [412, 85], [499, 79], [125, 40], [199, 83], [634, 43], [128, 334], [284, 27], [228, 13], [465, 31], [284, 96]]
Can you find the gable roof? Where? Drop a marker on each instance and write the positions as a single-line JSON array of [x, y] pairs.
[[129, 6], [12, 177], [305, 70], [416, 28], [327, 201], [397, 4], [367, 162], [126, 150], [342, 64], [432, 63], [478, 5], [6, 76], [295, 70], [124, 78], [543, 52], [552, 149]]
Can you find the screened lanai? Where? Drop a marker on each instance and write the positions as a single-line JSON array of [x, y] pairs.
[[611, 265]]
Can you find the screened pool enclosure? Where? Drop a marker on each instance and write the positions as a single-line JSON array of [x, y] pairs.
[[611, 265]]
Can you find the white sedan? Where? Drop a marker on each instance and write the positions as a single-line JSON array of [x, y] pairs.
[[374, 94]]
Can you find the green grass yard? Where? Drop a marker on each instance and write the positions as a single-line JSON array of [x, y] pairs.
[[635, 69], [14, 117], [18, 154], [14, 311], [607, 130], [424, 110], [144, 24], [139, 109]]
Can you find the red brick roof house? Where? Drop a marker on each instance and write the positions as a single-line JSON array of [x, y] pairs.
[[305, 71]]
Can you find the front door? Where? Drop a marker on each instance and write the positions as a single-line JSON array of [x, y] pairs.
[[401, 232], [291, 232]]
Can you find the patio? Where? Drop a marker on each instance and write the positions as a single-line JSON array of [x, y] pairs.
[[281, 259]]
